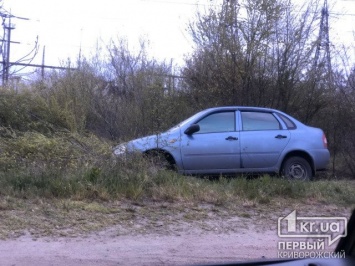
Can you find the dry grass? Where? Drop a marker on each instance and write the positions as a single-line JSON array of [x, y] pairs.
[[72, 218]]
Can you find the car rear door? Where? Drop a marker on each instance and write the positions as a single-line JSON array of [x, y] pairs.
[[262, 139]]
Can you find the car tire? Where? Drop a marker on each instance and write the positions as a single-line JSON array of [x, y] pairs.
[[297, 168], [159, 160]]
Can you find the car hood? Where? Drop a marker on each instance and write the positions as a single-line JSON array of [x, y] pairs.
[[158, 141], [144, 143]]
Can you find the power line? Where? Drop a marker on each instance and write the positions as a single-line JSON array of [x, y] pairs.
[[39, 66], [177, 3], [6, 63], [342, 14]]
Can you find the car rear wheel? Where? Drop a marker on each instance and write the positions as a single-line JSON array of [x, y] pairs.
[[297, 168]]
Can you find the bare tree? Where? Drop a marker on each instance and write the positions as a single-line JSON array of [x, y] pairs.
[[135, 96], [252, 52]]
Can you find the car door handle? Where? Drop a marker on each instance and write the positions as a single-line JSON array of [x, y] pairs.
[[231, 138], [280, 137]]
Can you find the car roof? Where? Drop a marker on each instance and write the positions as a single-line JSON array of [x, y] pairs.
[[243, 108]]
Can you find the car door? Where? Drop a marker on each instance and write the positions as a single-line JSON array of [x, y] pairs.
[[262, 139], [215, 147]]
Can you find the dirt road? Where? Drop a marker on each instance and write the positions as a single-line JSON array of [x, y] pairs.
[[193, 246], [144, 235]]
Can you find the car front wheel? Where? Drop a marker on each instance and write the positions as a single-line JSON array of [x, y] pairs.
[[297, 168], [160, 160]]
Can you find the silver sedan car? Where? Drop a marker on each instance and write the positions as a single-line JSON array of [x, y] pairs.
[[238, 139]]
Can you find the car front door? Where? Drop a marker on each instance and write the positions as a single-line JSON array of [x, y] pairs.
[[262, 139], [215, 147]]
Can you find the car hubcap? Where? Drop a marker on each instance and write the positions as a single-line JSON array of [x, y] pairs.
[[297, 171]]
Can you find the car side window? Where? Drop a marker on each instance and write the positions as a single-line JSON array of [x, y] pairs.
[[217, 122], [287, 121], [259, 121]]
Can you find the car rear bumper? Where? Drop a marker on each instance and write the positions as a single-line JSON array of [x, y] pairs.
[[321, 159]]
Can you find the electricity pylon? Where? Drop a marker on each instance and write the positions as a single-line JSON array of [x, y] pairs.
[[322, 59]]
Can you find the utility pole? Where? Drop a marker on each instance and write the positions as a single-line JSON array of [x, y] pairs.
[[42, 68], [6, 41], [5, 45], [6, 55]]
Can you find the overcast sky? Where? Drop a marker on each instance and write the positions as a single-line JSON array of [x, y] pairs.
[[63, 26]]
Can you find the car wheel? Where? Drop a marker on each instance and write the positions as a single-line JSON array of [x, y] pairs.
[[297, 168], [159, 160]]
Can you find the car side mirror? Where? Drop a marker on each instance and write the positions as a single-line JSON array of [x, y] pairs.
[[192, 129]]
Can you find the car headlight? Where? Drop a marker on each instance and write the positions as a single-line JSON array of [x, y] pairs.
[[120, 149]]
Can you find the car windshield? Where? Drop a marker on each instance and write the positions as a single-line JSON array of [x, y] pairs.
[[187, 121]]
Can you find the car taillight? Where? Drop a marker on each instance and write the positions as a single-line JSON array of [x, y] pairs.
[[325, 142]]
